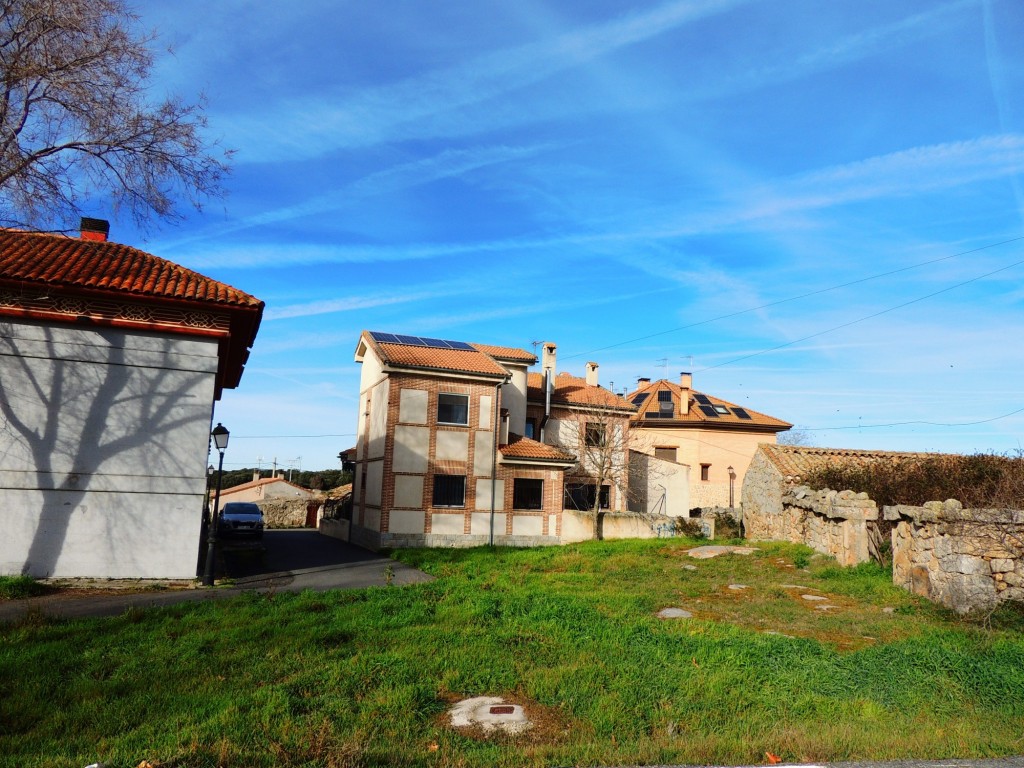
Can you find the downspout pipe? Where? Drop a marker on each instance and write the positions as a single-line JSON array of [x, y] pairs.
[[494, 457]]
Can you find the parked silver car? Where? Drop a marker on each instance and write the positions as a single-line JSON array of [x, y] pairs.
[[241, 518]]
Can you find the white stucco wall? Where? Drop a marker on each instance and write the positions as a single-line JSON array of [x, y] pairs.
[[104, 438]]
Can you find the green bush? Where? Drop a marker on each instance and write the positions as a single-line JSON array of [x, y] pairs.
[[20, 587]]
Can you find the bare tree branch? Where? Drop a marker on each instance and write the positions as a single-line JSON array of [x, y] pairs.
[[76, 120]]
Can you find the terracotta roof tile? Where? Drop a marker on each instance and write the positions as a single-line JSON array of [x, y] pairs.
[[571, 390], [796, 461], [61, 261], [520, 447], [694, 415], [456, 360], [512, 354]]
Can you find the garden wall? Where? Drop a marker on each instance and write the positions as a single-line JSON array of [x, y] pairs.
[[964, 559], [831, 522]]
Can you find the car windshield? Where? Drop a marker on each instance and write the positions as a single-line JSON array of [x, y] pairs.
[[241, 509]]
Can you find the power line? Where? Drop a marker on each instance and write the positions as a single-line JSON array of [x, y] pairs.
[[923, 423], [866, 317], [802, 296]]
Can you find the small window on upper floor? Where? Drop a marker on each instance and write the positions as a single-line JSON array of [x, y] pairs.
[[668, 454], [531, 429], [595, 434], [452, 409], [705, 472]]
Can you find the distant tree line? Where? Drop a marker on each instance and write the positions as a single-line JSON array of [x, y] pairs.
[[314, 480]]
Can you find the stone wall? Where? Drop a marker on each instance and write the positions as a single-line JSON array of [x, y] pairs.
[[831, 522], [964, 559]]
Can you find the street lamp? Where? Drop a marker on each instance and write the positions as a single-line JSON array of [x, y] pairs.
[[732, 482], [220, 436]]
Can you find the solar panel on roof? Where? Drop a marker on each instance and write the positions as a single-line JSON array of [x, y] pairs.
[[638, 399], [412, 341], [384, 338], [741, 413], [702, 399], [709, 410], [460, 345], [434, 342]]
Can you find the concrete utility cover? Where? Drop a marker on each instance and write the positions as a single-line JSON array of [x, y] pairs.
[[491, 713], [737, 587], [714, 550], [674, 613], [814, 597]]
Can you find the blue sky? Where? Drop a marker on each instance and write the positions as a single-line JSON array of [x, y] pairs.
[[649, 185]]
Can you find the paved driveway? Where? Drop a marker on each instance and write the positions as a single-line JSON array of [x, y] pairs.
[[288, 561]]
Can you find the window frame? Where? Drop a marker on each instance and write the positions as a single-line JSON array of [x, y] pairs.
[[535, 494], [448, 486], [569, 498], [705, 473], [595, 434], [461, 395], [673, 448]]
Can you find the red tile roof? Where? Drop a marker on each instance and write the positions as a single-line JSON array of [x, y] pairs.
[[796, 461], [574, 391], [455, 360], [695, 416], [110, 272], [512, 354], [60, 261], [481, 359], [520, 447]]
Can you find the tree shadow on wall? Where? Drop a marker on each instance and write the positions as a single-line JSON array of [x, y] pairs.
[[83, 413]]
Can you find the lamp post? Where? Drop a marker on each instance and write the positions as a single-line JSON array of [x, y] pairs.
[[732, 482], [220, 436]]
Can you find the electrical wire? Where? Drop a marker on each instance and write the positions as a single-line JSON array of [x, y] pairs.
[[805, 296]]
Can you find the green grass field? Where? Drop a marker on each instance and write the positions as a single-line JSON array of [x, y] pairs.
[[365, 678]]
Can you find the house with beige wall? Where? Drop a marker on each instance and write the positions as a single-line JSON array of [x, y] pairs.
[[458, 444], [715, 440], [265, 489], [441, 458]]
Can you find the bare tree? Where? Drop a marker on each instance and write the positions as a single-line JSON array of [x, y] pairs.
[[798, 436], [599, 439], [76, 120]]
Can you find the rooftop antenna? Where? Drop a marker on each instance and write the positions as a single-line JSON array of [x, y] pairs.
[[662, 362], [689, 358]]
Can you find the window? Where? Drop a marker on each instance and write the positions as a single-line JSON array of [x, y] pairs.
[[449, 490], [527, 493], [581, 496], [705, 472], [665, 407], [531, 429], [668, 454], [452, 409], [594, 434]]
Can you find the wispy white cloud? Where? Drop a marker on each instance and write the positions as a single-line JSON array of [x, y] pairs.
[[431, 103], [446, 164]]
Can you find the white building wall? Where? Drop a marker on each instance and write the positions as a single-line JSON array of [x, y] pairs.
[[104, 443]]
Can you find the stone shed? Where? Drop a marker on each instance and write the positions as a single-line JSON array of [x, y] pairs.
[[776, 505]]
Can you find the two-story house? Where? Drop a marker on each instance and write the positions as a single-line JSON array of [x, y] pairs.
[[713, 438], [458, 444], [441, 458]]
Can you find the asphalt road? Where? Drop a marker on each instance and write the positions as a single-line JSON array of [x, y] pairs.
[[286, 561]]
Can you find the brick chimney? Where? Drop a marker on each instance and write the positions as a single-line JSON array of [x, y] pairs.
[[686, 380], [591, 374], [685, 384], [643, 380], [94, 229]]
